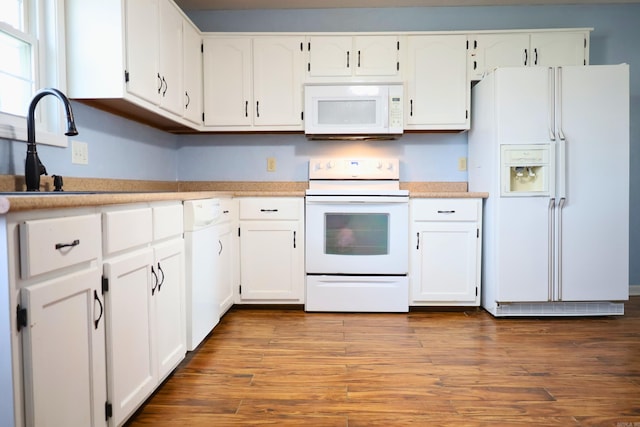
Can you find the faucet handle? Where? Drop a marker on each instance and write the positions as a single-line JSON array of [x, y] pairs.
[[57, 183]]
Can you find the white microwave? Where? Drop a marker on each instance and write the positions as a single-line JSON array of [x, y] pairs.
[[353, 111]]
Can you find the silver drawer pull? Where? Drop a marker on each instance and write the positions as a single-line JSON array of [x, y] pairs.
[[446, 212], [67, 245]]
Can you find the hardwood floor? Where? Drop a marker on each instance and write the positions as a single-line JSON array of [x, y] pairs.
[[437, 368]]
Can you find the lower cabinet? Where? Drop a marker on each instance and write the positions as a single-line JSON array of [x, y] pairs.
[[445, 252], [131, 359], [63, 351], [144, 297], [59, 332], [227, 263], [271, 250]]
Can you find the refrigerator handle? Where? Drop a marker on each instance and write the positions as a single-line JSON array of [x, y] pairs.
[[561, 205], [562, 169], [552, 111], [559, 104], [550, 252]]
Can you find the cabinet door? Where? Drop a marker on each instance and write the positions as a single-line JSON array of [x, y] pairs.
[[438, 90], [142, 29], [277, 81], [131, 361], [489, 51], [376, 56], [170, 57], [444, 262], [558, 49], [330, 56], [271, 260], [227, 82], [192, 53], [64, 353], [225, 262], [168, 272]]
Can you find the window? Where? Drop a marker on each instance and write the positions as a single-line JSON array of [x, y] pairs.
[[32, 52]]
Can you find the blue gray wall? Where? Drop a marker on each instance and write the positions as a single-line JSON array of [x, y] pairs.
[[122, 149]]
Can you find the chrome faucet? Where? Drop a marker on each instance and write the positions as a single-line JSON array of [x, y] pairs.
[[33, 167]]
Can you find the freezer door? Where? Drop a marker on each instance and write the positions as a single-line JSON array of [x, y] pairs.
[[593, 233], [524, 105], [524, 250]]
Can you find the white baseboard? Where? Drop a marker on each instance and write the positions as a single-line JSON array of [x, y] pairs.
[[634, 290]]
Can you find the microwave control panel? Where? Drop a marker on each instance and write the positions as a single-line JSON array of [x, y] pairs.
[[395, 112]]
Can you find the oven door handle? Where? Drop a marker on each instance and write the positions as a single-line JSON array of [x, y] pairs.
[[346, 200]]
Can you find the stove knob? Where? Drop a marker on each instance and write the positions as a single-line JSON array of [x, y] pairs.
[[330, 164], [390, 166], [379, 165], [318, 166]]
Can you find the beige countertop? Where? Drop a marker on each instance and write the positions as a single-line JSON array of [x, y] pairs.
[[92, 192]]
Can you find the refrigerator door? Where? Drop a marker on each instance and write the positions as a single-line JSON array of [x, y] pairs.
[[593, 226], [524, 249], [524, 102]]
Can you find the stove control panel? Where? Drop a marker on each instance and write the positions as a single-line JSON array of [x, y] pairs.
[[354, 168]]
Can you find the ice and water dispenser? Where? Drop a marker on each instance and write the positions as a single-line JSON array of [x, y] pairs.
[[527, 170]]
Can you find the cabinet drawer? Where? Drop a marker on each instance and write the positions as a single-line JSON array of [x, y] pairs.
[[51, 244], [270, 208], [167, 221], [229, 209], [445, 209], [124, 229]]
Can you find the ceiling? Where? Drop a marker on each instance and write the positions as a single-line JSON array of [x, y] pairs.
[[326, 4]]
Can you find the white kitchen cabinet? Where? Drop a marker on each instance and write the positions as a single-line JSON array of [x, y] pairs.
[[516, 49], [228, 97], [63, 351], [144, 292], [131, 360], [227, 261], [154, 52], [168, 271], [135, 66], [437, 89], [253, 83], [60, 319], [192, 72], [445, 251], [271, 250], [340, 56]]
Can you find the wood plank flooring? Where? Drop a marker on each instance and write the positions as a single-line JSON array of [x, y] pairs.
[[436, 368]]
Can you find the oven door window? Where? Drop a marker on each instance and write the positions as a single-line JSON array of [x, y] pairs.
[[356, 233]]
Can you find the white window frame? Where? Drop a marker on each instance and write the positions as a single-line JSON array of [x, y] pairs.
[[46, 18]]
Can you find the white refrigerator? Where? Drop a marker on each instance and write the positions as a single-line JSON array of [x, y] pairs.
[[551, 146]]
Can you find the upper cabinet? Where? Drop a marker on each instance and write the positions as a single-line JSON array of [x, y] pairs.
[[516, 49], [437, 89], [145, 60], [154, 53], [192, 72], [253, 83], [363, 57], [135, 66]]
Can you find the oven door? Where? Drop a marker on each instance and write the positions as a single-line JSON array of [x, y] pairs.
[[357, 235]]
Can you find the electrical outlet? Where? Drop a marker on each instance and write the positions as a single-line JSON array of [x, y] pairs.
[[462, 164], [79, 152], [271, 164]]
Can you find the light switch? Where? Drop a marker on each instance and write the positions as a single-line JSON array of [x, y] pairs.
[[271, 164], [462, 164], [79, 153]]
